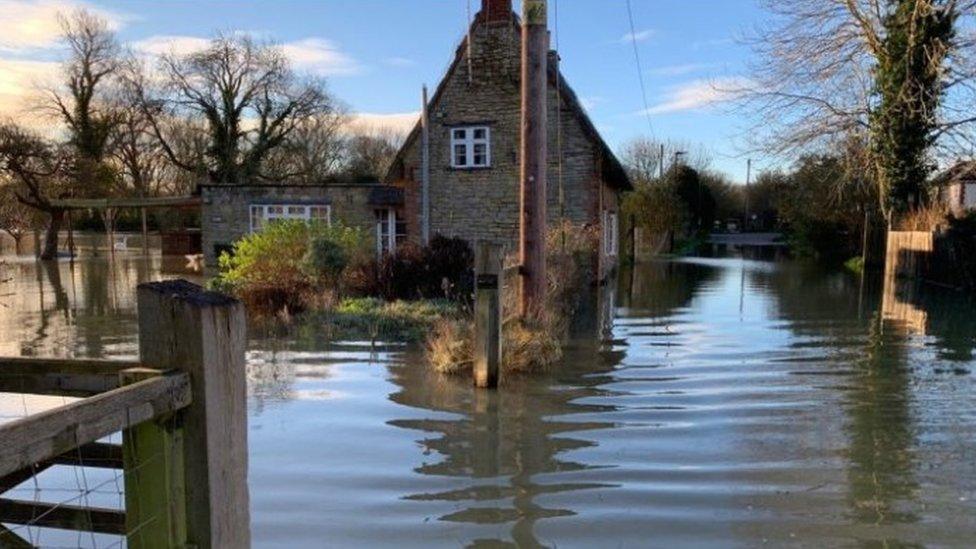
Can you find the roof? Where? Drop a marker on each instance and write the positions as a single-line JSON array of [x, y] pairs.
[[964, 170], [365, 182], [612, 170], [131, 202]]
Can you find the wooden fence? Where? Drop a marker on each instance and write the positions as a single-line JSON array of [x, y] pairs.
[[181, 410], [908, 253]]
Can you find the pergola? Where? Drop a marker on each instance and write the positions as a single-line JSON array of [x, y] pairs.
[[109, 204]]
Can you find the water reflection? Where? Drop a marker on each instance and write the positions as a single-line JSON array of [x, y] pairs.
[[82, 308], [502, 443], [734, 402]]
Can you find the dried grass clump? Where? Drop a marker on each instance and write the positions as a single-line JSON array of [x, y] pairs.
[[450, 345], [925, 219], [527, 347], [532, 345]]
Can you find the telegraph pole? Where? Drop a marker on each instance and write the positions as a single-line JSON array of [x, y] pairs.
[[532, 242], [425, 171]]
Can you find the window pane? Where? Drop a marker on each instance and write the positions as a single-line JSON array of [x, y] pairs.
[[480, 133], [296, 210], [481, 155], [460, 155], [460, 134]]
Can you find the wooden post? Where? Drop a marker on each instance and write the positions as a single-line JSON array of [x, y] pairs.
[[152, 457], [534, 142], [71, 237], [145, 232], [487, 316], [203, 333]]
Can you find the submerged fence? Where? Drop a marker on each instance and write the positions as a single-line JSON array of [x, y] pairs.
[[181, 411]]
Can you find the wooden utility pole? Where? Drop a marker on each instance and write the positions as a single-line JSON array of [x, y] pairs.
[[532, 244], [425, 171]]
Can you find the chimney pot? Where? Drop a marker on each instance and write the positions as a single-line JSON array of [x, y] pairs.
[[496, 10]]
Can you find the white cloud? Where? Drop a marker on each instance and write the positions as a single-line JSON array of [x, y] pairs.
[[680, 70], [400, 123], [700, 94], [400, 62], [315, 55], [34, 24], [171, 44], [638, 36], [19, 84], [319, 56]]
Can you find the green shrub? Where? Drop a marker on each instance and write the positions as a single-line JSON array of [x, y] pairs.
[[287, 262]]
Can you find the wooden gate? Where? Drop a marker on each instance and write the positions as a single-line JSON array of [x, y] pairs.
[[181, 410]]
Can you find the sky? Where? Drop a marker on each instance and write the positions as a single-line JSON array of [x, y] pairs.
[[376, 55]]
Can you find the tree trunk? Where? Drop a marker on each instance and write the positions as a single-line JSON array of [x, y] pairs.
[[51, 236]]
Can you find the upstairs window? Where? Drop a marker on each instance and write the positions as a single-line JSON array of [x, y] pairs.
[[471, 147]]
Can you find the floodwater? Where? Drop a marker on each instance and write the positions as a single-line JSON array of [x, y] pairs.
[[730, 403]]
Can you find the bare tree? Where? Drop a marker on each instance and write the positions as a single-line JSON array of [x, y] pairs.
[[84, 103], [15, 218], [813, 84], [644, 161], [247, 93], [313, 152], [137, 152], [369, 152], [39, 172]]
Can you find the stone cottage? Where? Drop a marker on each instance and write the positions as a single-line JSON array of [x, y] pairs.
[[474, 120], [229, 212], [956, 188]]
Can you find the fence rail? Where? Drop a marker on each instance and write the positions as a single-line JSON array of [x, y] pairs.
[[181, 410]]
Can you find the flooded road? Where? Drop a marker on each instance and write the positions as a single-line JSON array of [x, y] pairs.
[[732, 403]]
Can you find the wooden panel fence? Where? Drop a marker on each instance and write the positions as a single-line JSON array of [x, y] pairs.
[[181, 410], [908, 253]]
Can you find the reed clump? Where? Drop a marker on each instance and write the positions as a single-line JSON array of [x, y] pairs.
[[534, 344]]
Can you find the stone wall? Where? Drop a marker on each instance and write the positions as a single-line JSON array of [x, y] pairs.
[[226, 217], [483, 204]]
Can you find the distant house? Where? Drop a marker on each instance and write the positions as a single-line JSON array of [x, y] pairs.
[[230, 212], [475, 120], [957, 187]]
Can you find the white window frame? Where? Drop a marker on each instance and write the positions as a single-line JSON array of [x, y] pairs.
[[266, 213], [464, 136], [391, 219]]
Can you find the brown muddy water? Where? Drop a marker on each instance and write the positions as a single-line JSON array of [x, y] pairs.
[[732, 403]]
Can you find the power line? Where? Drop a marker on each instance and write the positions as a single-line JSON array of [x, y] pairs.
[[640, 70]]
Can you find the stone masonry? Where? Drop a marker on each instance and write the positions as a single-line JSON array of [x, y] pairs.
[[225, 215], [483, 203]]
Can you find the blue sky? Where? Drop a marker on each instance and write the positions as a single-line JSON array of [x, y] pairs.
[[376, 54]]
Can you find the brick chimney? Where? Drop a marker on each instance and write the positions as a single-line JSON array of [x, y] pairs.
[[495, 11]]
